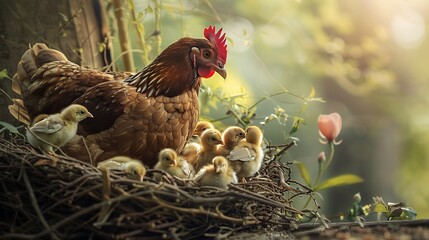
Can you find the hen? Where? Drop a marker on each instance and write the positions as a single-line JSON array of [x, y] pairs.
[[134, 115]]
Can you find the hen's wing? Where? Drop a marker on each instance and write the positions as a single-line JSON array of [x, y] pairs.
[[106, 101]]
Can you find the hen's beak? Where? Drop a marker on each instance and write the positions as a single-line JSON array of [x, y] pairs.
[[219, 68]]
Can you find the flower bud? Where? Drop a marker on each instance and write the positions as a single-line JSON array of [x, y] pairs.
[[329, 127], [322, 157]]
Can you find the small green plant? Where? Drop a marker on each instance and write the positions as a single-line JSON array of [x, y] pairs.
[[329, 129], [384, 211]]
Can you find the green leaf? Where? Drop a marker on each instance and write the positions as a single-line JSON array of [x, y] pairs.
[[341, 180], [312, 93], [408, 213], [304, 172], [380, 208], [65, 18], [9, 127], [3, 74], [296, 124], [101, 46]]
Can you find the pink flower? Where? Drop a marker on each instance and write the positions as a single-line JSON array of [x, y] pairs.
[[329, 127]]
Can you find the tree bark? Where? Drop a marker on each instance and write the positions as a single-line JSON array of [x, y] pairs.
[[74, 27]]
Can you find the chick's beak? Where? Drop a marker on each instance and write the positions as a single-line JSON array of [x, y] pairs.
[[218, 169], [141, 178], [89, 115], [219, 68]]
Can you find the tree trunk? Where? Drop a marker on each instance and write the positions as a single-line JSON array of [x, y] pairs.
[[77, 28]]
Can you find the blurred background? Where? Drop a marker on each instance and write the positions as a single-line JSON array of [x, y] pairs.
[[368, 60]]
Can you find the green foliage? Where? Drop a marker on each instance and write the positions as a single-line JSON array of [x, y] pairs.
[[303, 171], [345, 179], [9, 127], [3, 74], [393, 211]]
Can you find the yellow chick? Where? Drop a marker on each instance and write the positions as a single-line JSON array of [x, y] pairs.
[[198, 131], [218, 174], [190, 153], [132, 167], [246, 158], [57, 129], [230, 138], [209, 141], [201, 127], [170, 163], [186, 167]]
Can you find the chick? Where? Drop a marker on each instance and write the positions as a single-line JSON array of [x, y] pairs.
[[132, 167], [57, 129], [230, 138], [186, 167], [218, 174], [198, 131], [246, 157], [190, 153], [209, 140], [169, 162]]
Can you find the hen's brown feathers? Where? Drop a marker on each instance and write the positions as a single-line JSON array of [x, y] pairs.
[[134, 115]]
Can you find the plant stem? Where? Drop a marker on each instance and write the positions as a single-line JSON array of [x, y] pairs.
[[124, 37], [329, 160], [158, 26], [140, 34], [322, 168]]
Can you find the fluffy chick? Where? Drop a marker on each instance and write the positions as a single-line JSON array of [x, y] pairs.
[[57, 129], [198, 131], [230, 138], [246, 157], [132, 167], [170, 163], [190, 153], [209, 141], [218, 174]]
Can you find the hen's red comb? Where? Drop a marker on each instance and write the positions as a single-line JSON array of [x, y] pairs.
[[219, 40]]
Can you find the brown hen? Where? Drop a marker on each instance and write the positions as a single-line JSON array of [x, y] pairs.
[[134, 115]]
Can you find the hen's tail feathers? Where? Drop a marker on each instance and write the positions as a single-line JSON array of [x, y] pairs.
[[31, 60], [18, 111]]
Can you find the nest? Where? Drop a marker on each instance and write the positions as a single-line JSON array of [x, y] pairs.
[[44, 196]]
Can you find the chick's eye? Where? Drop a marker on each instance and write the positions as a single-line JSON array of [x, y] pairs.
[[206, 54], [82, 112]]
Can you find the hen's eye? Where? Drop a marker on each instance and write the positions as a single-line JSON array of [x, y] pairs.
[[206, 54]]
